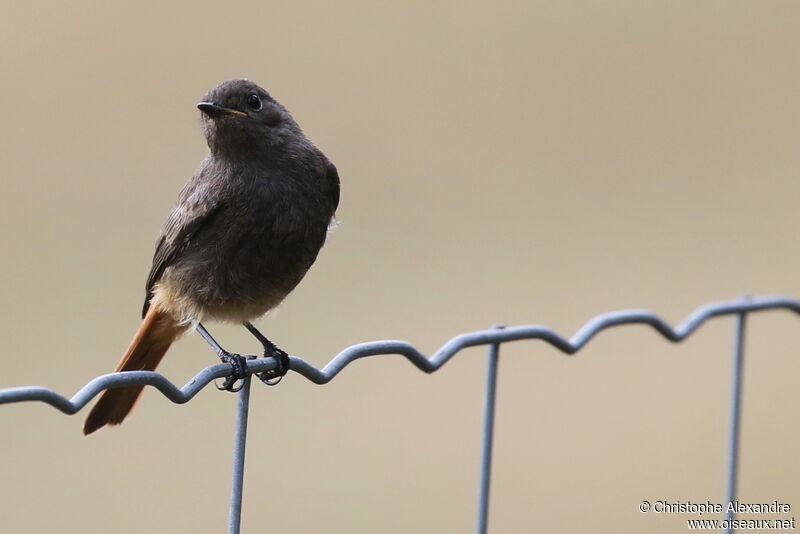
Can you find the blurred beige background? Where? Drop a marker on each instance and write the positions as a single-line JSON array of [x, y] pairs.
[[511, 162]]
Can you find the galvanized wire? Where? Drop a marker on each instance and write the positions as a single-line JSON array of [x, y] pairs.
[[387, 347], [734, 426], [493, 337], [239, 442], [492, 362]]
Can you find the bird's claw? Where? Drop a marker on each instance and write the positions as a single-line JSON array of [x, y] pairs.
[[274, 376], [234, 383]]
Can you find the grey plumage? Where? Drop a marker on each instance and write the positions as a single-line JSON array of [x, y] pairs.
[[245, 230], [251, 220]]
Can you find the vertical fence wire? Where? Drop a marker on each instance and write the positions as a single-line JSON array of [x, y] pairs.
[[734, 430], [239, 442], [488, 437]]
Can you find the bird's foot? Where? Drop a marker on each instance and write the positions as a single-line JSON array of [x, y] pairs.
[[238, 363], [234, 382], [274, 376]]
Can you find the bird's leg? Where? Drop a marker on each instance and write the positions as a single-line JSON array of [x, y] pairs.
[[274, 376], [237, 361]]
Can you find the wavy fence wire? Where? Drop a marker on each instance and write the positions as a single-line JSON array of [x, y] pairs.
[[492, 338]]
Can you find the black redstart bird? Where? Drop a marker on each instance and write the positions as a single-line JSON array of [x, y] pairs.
[[244, 231]]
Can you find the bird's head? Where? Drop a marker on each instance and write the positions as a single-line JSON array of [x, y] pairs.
[[240, 117]]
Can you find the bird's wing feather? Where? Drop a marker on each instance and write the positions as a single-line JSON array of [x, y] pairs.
[[196, 206]]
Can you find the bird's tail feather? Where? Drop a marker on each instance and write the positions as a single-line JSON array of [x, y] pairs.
[[155, 335]]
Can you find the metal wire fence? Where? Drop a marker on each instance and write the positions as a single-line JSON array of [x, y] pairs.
[[492, 338]]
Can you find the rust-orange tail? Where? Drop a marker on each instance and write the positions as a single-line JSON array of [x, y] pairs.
[[155, 335]]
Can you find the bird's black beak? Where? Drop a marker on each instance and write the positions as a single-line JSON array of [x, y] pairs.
[[211, 109]]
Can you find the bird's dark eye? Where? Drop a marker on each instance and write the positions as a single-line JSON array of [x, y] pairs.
[[254, 102]]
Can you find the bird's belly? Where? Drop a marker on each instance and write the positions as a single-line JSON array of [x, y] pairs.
[[237, 278], [190, 300], [242, 310]]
